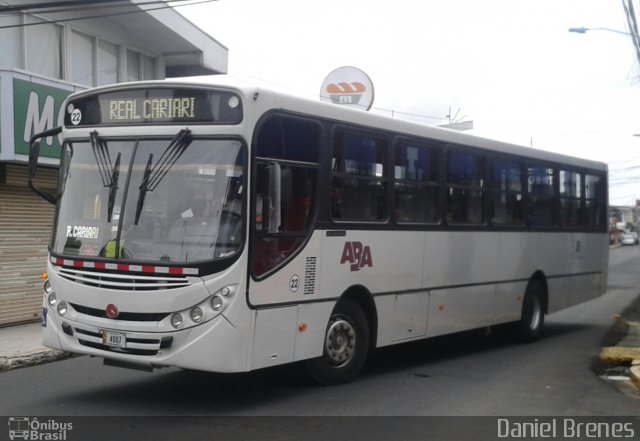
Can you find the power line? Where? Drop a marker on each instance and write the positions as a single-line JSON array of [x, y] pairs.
[[633, 26]]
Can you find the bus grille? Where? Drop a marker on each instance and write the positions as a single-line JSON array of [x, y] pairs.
[[126, 316], [135, 346], [126, 282]]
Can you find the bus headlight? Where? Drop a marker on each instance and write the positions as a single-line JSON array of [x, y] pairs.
[[203, 312], [176, 320], [47, 287], [62, 308], [217, 303], [197, 314], [52, 299]]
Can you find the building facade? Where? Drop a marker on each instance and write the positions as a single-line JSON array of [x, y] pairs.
[[48, 51]]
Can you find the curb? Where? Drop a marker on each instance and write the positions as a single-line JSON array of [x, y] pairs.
[[620, 355], [36, 358], [625, 357], [634, 374]]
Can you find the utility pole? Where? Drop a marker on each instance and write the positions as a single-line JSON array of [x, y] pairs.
[[633, 26]]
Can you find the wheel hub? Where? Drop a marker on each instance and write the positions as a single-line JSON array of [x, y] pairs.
[[340, 343]]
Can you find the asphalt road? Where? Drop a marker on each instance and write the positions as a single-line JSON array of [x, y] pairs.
[[461, 375]]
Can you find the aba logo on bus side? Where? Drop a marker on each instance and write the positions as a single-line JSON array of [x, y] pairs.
[[356, 255]]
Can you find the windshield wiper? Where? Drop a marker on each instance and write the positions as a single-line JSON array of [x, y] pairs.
[[108, 173], [114, 187], [144, 187], [154, 175]]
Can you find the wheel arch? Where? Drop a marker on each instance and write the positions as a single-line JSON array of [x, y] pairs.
[[541, 278], [363, 297]]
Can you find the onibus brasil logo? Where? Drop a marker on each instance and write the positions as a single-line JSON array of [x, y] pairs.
[[32, 429]]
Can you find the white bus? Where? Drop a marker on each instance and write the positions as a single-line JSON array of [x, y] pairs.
[[223, 227]]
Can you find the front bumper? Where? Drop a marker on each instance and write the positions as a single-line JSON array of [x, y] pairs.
[[212, 346]]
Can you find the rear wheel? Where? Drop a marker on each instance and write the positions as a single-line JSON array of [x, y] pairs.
[[529, 328], [346, 345]]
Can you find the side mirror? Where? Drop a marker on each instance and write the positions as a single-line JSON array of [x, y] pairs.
[[34, 154]]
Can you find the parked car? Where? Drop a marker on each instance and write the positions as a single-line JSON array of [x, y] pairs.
[[628, 239], [635, 237]]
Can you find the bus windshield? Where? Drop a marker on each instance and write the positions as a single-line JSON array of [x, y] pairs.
[[150, 200]]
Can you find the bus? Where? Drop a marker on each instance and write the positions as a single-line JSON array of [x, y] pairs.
[[220, 226]]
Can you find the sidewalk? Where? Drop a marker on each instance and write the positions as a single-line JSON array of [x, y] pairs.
[[21, 346]]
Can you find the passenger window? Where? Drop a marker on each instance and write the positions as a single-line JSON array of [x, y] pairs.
[[358, 186], [506, 193], [465, 188], [570, 198], [541, 188], [289, 139], [416, 183], [595, 210]]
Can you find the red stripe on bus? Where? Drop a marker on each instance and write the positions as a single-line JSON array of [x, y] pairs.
[[119, 267]]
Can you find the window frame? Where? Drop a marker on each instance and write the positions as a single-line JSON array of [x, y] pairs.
[[436, 151], [255, 236], [553, 198], [493, 191], [483, 158], [384, 179]]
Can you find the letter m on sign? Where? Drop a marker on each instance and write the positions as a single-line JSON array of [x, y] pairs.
[[36, 107], [37, 121]]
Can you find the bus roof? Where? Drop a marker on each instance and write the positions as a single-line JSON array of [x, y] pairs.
[[284, 100]]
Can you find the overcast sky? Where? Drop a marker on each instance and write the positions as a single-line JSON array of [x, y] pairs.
[[511, 66]]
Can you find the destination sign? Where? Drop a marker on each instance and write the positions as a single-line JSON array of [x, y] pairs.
[[158, 105]]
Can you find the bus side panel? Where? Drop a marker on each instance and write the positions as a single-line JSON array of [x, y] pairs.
[[460, 272], [516, 263], [274, 336], [459, 258], [311, 328], [584, 288], [520, 256], [385, 305], [589, 277], [389, 266], [382, 261], [460, 309], [289, 333], [557, 259], [508, 301]]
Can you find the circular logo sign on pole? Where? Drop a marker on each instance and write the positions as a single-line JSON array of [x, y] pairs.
[[348, 86]]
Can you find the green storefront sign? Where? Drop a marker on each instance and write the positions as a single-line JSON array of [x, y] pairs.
[[36, 108]]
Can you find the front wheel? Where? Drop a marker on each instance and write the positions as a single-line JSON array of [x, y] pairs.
[[346, 345]]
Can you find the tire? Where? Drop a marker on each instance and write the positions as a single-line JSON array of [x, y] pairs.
[[529, 328], [346, 345]]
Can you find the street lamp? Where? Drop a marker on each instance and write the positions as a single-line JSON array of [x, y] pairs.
[[635, 38], [584, 30]]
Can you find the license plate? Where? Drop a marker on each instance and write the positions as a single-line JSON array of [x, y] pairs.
[[115, 339]]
